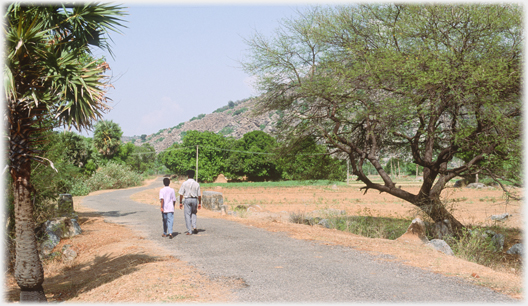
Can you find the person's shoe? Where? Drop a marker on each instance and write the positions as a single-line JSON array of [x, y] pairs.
[[170, 236], [195, 231], [163, 235], [188, 234]]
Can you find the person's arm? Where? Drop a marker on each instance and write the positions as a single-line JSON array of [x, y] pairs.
[[199, 202], [181, 201], [161, 201]]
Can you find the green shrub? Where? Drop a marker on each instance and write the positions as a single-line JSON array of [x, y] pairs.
[[226, 130], [240, 111], [476, 245], [110, 176]]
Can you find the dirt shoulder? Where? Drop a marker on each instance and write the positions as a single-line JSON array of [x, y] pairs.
[[116, 265]]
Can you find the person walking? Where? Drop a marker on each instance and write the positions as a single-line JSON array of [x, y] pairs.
[[168, 202], [191, 197]]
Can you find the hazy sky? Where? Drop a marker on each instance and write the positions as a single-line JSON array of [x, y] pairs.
[[177, 60]]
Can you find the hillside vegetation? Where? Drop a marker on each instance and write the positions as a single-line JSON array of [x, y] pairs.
[[235, 119]]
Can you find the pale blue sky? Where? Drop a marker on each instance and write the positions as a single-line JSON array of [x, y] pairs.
[[177, 60]]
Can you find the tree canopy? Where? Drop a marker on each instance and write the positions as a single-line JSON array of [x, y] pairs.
[[373, 81]]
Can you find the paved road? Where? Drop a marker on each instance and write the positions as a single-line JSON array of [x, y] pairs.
[[276, 268]]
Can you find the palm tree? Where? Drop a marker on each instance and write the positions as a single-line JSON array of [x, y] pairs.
[[50, 75]]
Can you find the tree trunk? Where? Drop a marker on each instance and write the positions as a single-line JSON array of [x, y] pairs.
[[29, 273], [434, 208]]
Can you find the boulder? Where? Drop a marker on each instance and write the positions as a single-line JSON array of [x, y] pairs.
[[325, 223], [58, 228], [212, 200], [415, 232], [476, 185], [498, 241], [442, 229], [441, 246], [460, 183], [68, 254], [516, 249], [500, 217]]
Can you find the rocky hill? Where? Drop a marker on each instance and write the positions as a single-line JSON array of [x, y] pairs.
[[234, 119]]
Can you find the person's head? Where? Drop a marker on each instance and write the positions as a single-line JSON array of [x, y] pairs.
[[190, 173], [166, 181]]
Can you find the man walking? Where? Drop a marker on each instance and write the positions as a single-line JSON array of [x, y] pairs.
[[168, 201], [191, 197]]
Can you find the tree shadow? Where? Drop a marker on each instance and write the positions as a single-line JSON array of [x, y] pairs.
[[77, 279]]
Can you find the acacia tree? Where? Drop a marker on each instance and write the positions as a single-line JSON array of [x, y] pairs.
[[49, 76], [433, 80]]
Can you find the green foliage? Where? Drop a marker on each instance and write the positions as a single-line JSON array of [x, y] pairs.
[[197, 117], [305, 159], [477, 245], [110, 176], [240, 111], [179, 158], [180, 125], [428, 81], [258, 165], [226, 130], [107, 138]]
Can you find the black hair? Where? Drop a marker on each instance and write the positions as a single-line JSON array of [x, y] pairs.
[[190, 173], [166, 181]]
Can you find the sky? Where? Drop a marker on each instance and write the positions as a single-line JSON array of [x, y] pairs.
[[176, 60]]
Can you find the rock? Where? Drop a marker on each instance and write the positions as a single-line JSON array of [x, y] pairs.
[[212, 200], [516, 249], [68, 254], [415, 232], [441, 246], [500, 217], [56, 229], [47, 246], [330, 212], [442, 229], [498, 241], [72, 228], [325, 223], [460, 183], [476, 185]]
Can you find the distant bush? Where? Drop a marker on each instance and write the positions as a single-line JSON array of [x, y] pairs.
[[197, 117], [179, 126], [110, 176], [226, 130], [240, 111], [159, 139]]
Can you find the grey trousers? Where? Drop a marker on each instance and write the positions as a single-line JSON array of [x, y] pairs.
[[190, 208]]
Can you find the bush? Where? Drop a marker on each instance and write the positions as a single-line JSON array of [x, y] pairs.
[[476, 245], [110, 176]]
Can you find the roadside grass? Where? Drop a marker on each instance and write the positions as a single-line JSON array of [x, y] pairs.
[[273, 184], [474, 245]]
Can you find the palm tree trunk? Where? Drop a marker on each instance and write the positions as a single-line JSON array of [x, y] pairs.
[[29, 273]]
